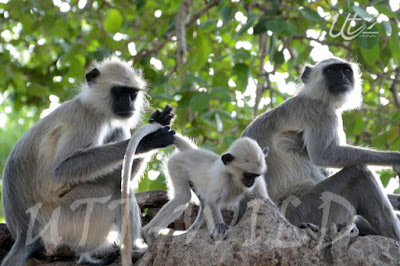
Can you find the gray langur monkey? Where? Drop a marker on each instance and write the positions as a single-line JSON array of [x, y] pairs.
[[218, 181], [305, 135], [68, 166]]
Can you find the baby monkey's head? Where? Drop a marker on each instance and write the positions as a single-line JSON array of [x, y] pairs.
[[246, 160]]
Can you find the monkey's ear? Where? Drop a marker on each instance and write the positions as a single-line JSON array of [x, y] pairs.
[[306, 74], [92, 75], [227, 158], [265, 151]]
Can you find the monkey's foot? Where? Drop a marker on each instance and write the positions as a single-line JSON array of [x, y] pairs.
[[338, 231], [137, 253], [311, 229], [149, 235], [86, 259], [219, 232]]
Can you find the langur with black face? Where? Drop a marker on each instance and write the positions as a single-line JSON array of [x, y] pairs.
[[218, 181], [62, 181], [305, 136]]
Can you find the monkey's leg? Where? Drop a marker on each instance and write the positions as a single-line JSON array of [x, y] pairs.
[[215, 221], [239, 210], [259, 192], [171, 211], [374, 205], [356, 188], [85, 218]]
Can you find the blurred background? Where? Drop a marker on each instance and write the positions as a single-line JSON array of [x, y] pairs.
[[218, 63]]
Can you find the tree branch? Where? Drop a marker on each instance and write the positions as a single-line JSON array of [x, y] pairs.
[[180, 29], [394, 88]]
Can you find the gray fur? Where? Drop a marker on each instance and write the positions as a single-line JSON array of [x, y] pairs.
[[74, 153], [305, 135], [216, 184]]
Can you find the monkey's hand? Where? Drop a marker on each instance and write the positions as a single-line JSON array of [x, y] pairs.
[[163, 117], [219, 232], [159, 139]]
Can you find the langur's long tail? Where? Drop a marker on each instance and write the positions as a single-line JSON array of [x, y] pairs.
[[127, 199], [183, 143]]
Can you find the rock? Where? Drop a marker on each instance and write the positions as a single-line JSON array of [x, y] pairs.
[[262, 237]]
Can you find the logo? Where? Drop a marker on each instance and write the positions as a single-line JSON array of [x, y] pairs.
[[351, 27]]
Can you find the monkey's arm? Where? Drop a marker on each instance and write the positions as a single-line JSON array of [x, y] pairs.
[[324, 150], [73, 164], [218, 229]]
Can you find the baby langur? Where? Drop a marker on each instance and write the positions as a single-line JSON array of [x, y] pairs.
[[218, 181]]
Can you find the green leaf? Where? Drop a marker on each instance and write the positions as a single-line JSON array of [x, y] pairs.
[[276, 25], [362, 13], [388, 27], [226, 13], [199, 102], [221, 93], [225, 115], [289, 29], [311, 15], [385, 10], [242, 55], [379, 141], [368, 41], [371, 56], [396, 116], [394, 44], [113, 21], [261, 26], [278, 58], [209, 24], [356, 127], [221, 78], [241, 72], [385, 176], [200, 53]]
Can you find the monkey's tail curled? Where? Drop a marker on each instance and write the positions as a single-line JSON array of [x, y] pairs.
[[126, 239], [183, 143]]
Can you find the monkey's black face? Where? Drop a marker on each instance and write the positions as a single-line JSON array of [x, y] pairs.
[[123, 100], [339, 78], [249, 179]]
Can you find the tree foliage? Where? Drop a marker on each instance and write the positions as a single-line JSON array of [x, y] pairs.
[[218, 62]]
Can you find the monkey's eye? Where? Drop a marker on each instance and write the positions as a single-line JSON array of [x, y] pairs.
[[348, 71], [329, 71]]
